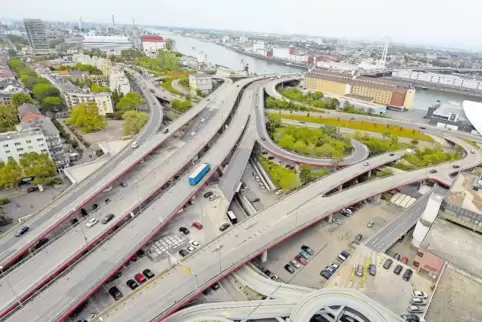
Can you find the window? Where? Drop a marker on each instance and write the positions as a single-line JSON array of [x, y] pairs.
[[5, 145], [7, 151], [20, 155], [10, 158], [18, 143], [41, 145], [43, 150], [40, 139], [30, 147], [29, 141], [19, 149]]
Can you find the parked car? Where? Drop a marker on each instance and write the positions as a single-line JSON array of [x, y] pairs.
[[301, 259], [404, 260], [140, 278], [407, 275], [370, 224], [183, 252], [224, 226], [417, 301], [308, 250], [398, 269], [190, 248], [194, 243], [325, 274], [92, 222], [397, 256], [372, 269], [289, 268], [107, 218], [410, 317], [359, 270], [358, 238], [215, 286], [148, 273], [115, 293], [342, 256], [132, 284], [388, 263], [295, 263], [414, 309], [184, 230], [197, 225], [419, 294], [305, 255], [22, 231], [208, 194], [335, 266]]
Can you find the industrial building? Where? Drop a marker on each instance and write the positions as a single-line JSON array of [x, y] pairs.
[[452, 116], [109, 44], [452, 81], [151, 44], [37, 37], [200, 81], [380, 91]]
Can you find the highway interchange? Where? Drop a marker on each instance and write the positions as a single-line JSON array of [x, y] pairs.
[[237, 246]]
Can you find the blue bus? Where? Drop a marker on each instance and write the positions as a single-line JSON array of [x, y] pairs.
[[199, 173]]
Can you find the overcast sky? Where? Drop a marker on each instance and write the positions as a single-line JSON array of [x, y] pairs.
[[430, 22]]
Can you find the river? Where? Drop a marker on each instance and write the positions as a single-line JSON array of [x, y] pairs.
[[219, 55]]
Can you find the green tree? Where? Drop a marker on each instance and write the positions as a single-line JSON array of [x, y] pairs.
[[86, 117], [10, 173], [169, 44], [129, 102], [414, 142], [167, 60], [38, 165], [43, 90], [51, 102], [116, 96], [8, 118], [12, 52], [21, 98], [134, 121], [181, 105], [99, 89]]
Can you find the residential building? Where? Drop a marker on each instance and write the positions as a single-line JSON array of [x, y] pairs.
[[389, 93], [110, 44], [30, 117], [5, 71], [101, 80], [200, 81], [15, 143], [151, 44], [119, 81], [37, 37], [6, 91], [74, 95]]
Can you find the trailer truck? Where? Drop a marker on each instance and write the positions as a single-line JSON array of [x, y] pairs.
[[199, 173]]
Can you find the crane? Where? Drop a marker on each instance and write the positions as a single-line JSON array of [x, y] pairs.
[[245, 66]]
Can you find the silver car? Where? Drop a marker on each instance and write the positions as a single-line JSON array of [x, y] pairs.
[[359, 270], [295, 263]]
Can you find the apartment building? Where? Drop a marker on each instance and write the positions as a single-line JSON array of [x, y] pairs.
[[380, 91], [30, 117], [37, 37], [15, 143], [74, 95], [151, 44], [200, 81], [7, 90]]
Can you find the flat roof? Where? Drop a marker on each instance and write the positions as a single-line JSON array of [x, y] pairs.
[[458, 245], [462, 195], [458, 297]]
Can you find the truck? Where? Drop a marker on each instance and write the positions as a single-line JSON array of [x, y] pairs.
[[199, 173]]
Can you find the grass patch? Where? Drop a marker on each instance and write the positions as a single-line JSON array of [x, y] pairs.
[[398, 131], [284, 178], [167, 84]]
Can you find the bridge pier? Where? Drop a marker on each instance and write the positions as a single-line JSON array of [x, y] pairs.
[[340, 188], [375, 199], [264, 257], [329, 218], [369, 174]]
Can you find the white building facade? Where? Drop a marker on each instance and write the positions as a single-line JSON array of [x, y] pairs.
[[203, 82], [151, 44], [109, 44], [15, 143], [439, 79]]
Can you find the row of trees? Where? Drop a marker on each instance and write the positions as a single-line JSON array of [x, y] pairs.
[[164, 61], [378, 145], [129, 102], [85, 116], [325, 141], [99, 89], [91, 70], [278, 104], [181, 105], [310, 98], [428, 157], [31, 164], [309, 174]]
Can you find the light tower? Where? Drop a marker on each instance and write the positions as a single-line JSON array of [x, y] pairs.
[[113, 21], [80, 24], [383, 60]]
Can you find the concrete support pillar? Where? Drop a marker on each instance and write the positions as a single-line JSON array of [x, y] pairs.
[[340, 188], [280, 319], [329, 218], [369, 174], [376, 199], [264, 257]]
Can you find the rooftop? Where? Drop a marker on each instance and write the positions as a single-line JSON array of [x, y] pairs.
[[65, 84], [446, 109], [463, 195], [151, 38], [25, 109], [200, 75], [44, 123], [6, 136]]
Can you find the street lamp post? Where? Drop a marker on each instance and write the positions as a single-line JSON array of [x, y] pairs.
[[81, 227], [218, 249], [10, 286]]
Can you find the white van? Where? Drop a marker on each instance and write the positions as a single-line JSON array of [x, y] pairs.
[[341, 257], [134, 144]]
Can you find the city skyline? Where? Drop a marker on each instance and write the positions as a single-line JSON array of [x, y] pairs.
[[425, 25]]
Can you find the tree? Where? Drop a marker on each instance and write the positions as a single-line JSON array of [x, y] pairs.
[[414, 142], [10, 173], [129, 102], [51, 102], [12, 52], [169, 44], [99, 89], [21, 98], [8, 118], [167, 60], [181, 105], [116, 96], [134, 121], [86, 117], [43, 90], [38, 165]]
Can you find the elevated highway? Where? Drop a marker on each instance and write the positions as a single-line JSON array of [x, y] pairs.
[[258, 233], [109, 256]]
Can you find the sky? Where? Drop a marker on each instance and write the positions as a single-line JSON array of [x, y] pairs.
[[423, 22]]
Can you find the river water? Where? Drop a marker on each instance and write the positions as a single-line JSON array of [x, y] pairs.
[[219, 55]]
